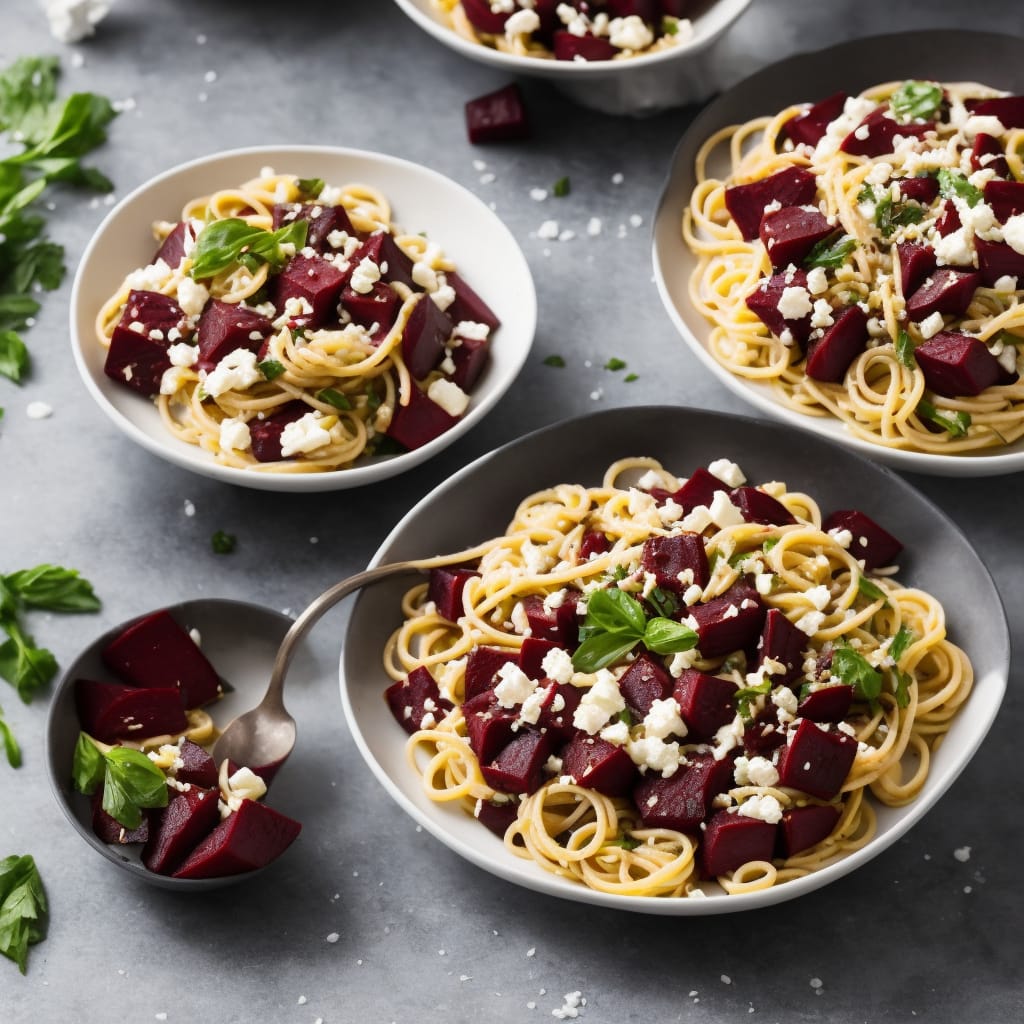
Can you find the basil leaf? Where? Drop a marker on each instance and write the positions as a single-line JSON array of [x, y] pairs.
[[270, 368], [663, 636], [872, 591], [630, 377], [336, 398], [13, 356], [310, 188], [11, 748], [664, 602], [28, 668], [890, 215], [746, 695], [132, 782], [954, 184], [601, 650], [854, 669], [88, 766], [903, 681], [54, 588], [900, 642], [615, 364], [669, 25], [955, 424], [23, 908], [916, 101], [231, 241], [905, 350], [831, 251], [614, 610]]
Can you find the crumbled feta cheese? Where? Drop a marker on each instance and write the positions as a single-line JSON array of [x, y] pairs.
[[514, 686], [931, 325], [728, 472], [151, 278], [817, 281], [810, 622], [192, 296], [424, 275], [617, 734], [38, 410], [723, 512], [956, 249], [599, 703], [365, 276], [304, 435], [663, 719], [795, 303], [630, 33], [522, 22], [173, 379], [649, 752], [765, 808], [183, 354], [71, 21], [557, 665], [818, 596], [1013, 233], [235, 435], [448, 395], [235, 372], [755, 771], [471, 330]]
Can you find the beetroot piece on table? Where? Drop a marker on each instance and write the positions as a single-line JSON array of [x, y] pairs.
[[423, 340], [804, 827], [172, 249], [815, 761], [518, 768], [482, 665], [731, 840], [489, 726], [781, 641], [111, 712], [829, 357], [322, 219], [445, 590], [793, 186], [411, 699], [224, 327], [468, 306], [109, 830], [827, 704], [266, 433], [645, 681], [568, 46], [681, 801], [705, 703], [595, 763], [946, 290], [156, 651], [178, 829], [315, 280], [791, 233], [419, 422], [730, 622], [137, 357], [757, 506], [956, 364], [198, 768], [809, 127], [677, 561], [916, 262], [499, 116], [765, 300], [872, 544], [247, 839]]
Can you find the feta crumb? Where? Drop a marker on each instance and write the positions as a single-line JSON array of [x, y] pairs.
[[728, 472], [38, 410], [235, 435], [548, 230], [304, 435], [192, 296], [449, 396], [795, 303], [235, 372], [74, 20]]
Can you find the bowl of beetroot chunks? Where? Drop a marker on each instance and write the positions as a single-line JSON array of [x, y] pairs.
[[141, 681], [517, 757]]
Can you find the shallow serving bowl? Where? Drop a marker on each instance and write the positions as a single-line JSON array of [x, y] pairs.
[[954, 55], [479, 501], [638, 85], [422, 200]]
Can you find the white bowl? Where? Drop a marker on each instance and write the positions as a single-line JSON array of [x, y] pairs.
[[639, 85], [481, 246], [992, 59], [478, 502]]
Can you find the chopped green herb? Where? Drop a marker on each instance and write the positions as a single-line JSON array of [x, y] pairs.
[[554, 361], [626, 716], [905, 350], [954, 184], [914, 100], [310, 188], [769, 543], [626, 843], [630, 377], [615, 364], [561, 188], [855, 670], [23, 909], [664, 602], [231, 241], [87, 766], [270, 368], [831, 251], [223, 543], [890, 215], [669, 25], [131, 782], [746, 695], [872, 591], [336, 398], [900, 642], [53, 588], [955, 424], [11, 748], [373, 400]]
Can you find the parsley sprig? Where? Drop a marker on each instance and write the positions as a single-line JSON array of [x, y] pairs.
[[954, 423], [131, 782], [954, 184], [23, 909]]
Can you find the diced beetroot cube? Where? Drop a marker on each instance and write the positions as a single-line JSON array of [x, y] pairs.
[[789, 234], [470, 358], [559, 624], [677, 561], [647, 10], [1009, 110], [815, 761], [489, 726], [314, 279], [482, 18], [395, 266], [645, 681], [482, 667], [759, 507], [557, 710], [413, 698], [225, 327], [178, 829], [595, 763], [804, 827], [266, 433], [587, 47], [498, 116], [532, 654], [682, 801], [92, 698], [594, 542], [156, 651], [923, 190], [997, 259], [871, 544], [1005, 197], [781, 641], [705, 703], [322, 219], [987, 154], [876, 134], [956, 364], [827, 704], [699, 489], [676, 8], [172, 249], [265, 771], [949, 219], [829, 357], [793, 186], [495, 817], [445, 590], [198, 768], [808, 128], [137, 356], [731, 840], [419, 422], [109, 830], [916, 262], [520, 765], [426, 332], [247, 839], [764, 301], [111, 712], [948, 290], [730, 622], [379, 307], [468, 306], [763, 736]]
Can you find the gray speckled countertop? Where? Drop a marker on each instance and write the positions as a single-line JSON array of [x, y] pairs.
[[423, 937]]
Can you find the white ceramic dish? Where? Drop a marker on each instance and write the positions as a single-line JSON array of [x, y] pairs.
[[965, 56], [477, 503], [640, 85], [422, 200]]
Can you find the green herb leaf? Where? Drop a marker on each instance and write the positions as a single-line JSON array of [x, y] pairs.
[[831, 252], [26, 667], [872, 591], [916, 101], [601, 650], [88, 766], [890, 215], [746, 695], [854, 669], [310, 188], [613, 610], [231, 241], [905, 350], [561, 188], [11, 748], [615, 364], [664, 602], [625, 842], [554, 361], [664, 636], [132, 782], [955, 424], [900, 642], [270, 368], [222, 543], [954, 184], [23, 909], [630, 377], [13, 356], [669, 25], [53, 588], [336, 398], [626, 716]]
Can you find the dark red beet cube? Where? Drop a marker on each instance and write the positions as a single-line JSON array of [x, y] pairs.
[[789, 234], [198, 767], [137, 356], [425, 335], [499, 116], [378, 308], [266, 433], [987, 154], [225, 327], [764, 301], [916, 262], [699, 489], [395, 266], [490, 727], [519, 766], [730, 622], [705, 703], [109, 830], [532, 654], [876, 134], [482, 667], [682, 801], [468, 306], [595, 763], [593, 543], [809, 127], [949, 219], [419, 422], [647, 10], [781, 641], [1005, 197], [314, 279], [172, 249], [804, 827], [411, 699], [322, 220], [923, 190], [793, 186], [827, 704], [111, 712], [560, 625], [1009, 110], [759, 507], [947, 290], [956, 364], [677, 561], [815, 761], [763, 736], [470, 359], [830, 356], [557, 710], [997, 259], [582, 48], [156, 651], [445, 590], [872, 545], [495, 817], [482, 18], [248, 839], [645, 681], [178, 829], [732, 840]]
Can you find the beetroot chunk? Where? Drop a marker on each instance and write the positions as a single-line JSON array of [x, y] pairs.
[[247, 839], [499, 116], [384, 252], [520, 765], [646, 10], [948, 290], [682, 801], [423, 340], [557, 709], [137, 356], [482, 18], [469, 357], [815, 761], [482, 666], [178, 829], [987, 154], [730, 622], [758, 507], [644, 682], [495, 817], [559, 624], [266, 433], [871, 544], [594, 542], [804, 827], [789, 234], [677, 561], [490, 727], [764, 302], [705, 703], [916, 262], [376, 310], [595, 763], [197, 768], [532, 654], [225, 327], [413, 698], [172, 249], [997, 259], [315, 280], [468, 306], [156, 651], [582, 48], [419, 422], [827, 704], [781, 641], [1005, 197], [956, 364], [732, 840], [876, 134], [111, 712], [923, 190], [808, 128], [793, 186], [445, 590], [1009, 110], [699, 489], [830, 356], [109, 830], [949, 219], [322, 219]]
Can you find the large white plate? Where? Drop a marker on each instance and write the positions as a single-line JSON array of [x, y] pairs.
[[483, 249], [479, 501], [947, 55]]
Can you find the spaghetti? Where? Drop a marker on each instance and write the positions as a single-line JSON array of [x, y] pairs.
[[858, 255], [591, 766]]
